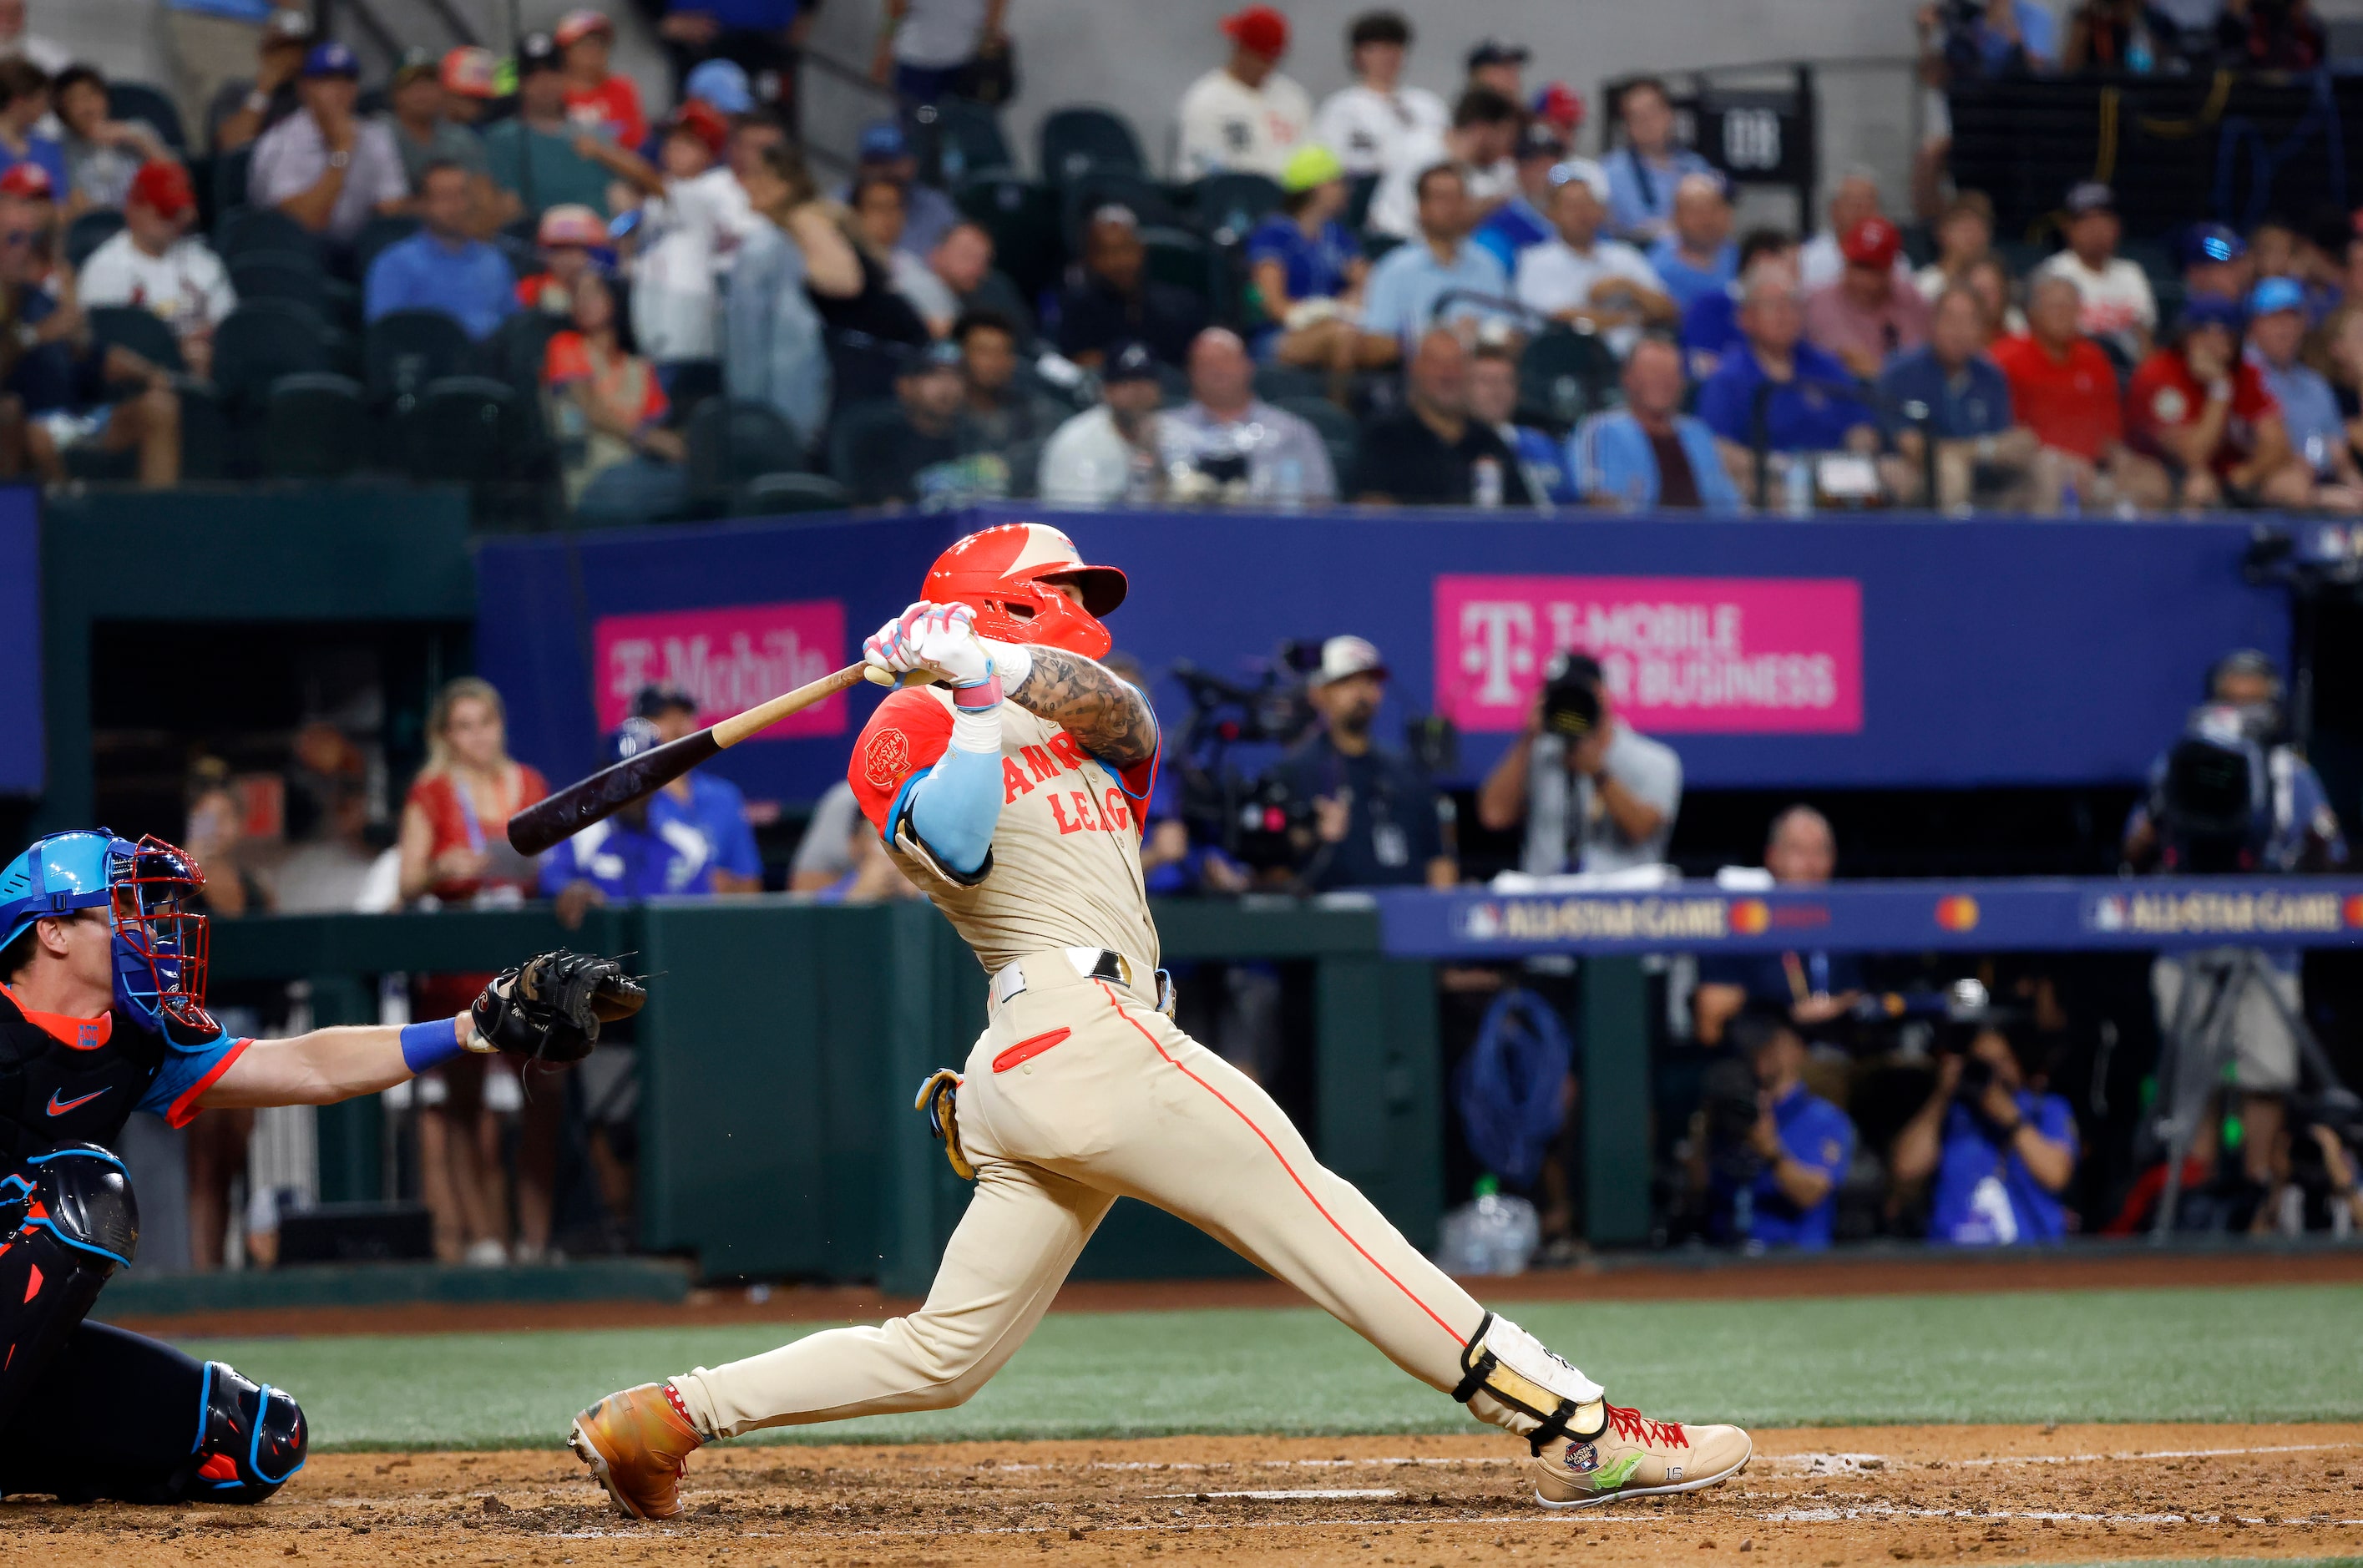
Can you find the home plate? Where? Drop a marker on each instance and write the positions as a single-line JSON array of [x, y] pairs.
[[1360, 1493]]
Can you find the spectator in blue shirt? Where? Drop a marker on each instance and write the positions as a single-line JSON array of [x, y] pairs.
[[1695, 256], [1493, 400], [1644, 170], [650, 849], [1711, 322], [1522, 220], [1780, 1188], [1649, 453], [1307, 267], [442, 267], [1948, 391], [2001, 1151], [713, 802], [1778, 392], [1413, 279], [2317, 430], [24, 103]]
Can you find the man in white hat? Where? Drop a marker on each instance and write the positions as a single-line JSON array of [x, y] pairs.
[[1376, 820]]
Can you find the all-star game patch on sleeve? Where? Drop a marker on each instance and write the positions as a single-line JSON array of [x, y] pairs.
[[907, 736]]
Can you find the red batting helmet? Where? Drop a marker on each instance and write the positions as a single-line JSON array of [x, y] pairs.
[[1010, 575]]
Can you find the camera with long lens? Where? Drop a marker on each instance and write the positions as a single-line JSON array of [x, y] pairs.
[[1571, 696], [2212, 804], [1249, 819], [1728, 1106]]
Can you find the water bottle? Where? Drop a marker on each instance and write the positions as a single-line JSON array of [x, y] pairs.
[[1288, 483], [2070, 504], [1798, 485], [1485, 481]]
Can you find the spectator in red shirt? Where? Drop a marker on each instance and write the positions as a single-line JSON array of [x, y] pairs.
[[2064, 388], [598, 99], [1871, 311], [2206, 414], [621, 463]]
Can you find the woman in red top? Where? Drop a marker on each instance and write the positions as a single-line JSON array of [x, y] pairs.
[[452, 824]]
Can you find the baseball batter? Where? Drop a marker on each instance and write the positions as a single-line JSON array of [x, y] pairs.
[[1011, 791]]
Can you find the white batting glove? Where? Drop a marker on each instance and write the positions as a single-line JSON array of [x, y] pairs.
[[936, 639]]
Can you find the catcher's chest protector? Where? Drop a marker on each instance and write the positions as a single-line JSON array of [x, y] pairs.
[[78, 1084]]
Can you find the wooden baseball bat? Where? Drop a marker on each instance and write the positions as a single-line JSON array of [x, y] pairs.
[[566, 812]]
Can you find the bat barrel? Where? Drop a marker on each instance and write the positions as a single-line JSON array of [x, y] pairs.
[[560, 816]]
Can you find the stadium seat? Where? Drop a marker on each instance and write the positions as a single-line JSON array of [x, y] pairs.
[[229, 185], [1096, 188], [405, 350], [88, 232], [315, 427], [1359, 192], [1228, 205], [691, 383], [1022, 216], [139, 101], [968, 138], [1180, 259], [376, 235], [139, 329], [262, 341], [206, 436], [465, 429], [1084, 138], [733, 442], [1278, 384], [854, 434], [1564, 375], [773, 494], [1338, 433], [280, 274], [261, 228], [997, 293]]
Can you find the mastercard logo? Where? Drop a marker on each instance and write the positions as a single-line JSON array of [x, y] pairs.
[[2352, 910], [1750, 918], [1957, 913]]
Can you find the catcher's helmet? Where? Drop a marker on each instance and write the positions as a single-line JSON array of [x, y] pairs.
[[159, 944], [1010, 575]]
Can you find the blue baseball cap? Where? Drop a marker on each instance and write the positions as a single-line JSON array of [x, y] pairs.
[[1127, 359], [2212, 310], [884, 139], [721, 83], [331, 59], [2276, 294], [631, 738], [2211, 242]]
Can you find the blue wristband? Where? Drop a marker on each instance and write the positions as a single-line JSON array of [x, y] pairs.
[[424, 1045]]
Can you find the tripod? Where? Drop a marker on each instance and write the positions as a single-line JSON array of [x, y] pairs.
[[2200, 1040]]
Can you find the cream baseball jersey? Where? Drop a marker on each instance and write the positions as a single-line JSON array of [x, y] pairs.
[[1065, 867]]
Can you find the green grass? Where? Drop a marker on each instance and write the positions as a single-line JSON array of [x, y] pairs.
[[2265, 1354]]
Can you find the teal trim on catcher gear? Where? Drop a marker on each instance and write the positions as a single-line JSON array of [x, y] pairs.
[[160, 942], [57, 876]]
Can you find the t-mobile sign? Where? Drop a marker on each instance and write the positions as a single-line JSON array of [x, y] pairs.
[[1707, 655], [727, 659]]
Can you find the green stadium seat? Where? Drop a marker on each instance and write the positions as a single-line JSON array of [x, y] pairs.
[[262, 341], [1182, 259], [280, 274], [733, 442], [1087, 137], [249, 229], [141, 330], [1278, 384], [403, 349], [1564, 375], [315, 427], [88, 232], [1022, 216], [854, 442], [466, 429], [139, 101], [967, 135], [1096, 188], [229, 183], [776, 494], [206, 438], [1228, 206], [376, 235]]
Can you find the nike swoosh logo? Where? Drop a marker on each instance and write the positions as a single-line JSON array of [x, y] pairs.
[[56, 1109]]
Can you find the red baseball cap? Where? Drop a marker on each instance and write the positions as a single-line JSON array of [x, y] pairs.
[[1258, 30], [1873, 242], [578, 25], [164, 186], [471, 72], [704, 121], [27, 182]]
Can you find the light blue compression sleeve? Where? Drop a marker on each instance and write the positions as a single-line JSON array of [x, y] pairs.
[[955, 807]]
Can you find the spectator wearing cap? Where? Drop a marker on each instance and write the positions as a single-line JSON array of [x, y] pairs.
[[1497, 65], [607, 410], [2317, 432], [1696, 256], [1774, 392], [1002, 412], [153, 262], [1948, 393], [720, 84], [1111, 453], [1307, 268], [2064, 388], [2117, 305], [327, 169], [1365, 124], [1431, 452], [1587, 282], [760, 37], [598, 98], [2197, 406], [472, 80], [927, 47], [1870, 314], [1377, 819], [443, 266], [773, 350], [1820, 260], [1493, 401], [1479, 144], [566, 238], [1524, 221], [542, 157], [924, 456], [1226, 443], [423, 133], [651, 848], [1411, 284], [239, 110], [1650, 454], [102, 152], [207, 45], [2215, 262], [24, 105], [1647, 163], [713, 803], [884, 153], [1113, 297], [1964, 239], [698, 218], [1243, 117]]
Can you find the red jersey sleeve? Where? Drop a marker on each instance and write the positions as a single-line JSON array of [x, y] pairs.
[[2145, 416], [2251, 399], [911, 730], [565, 360], [1141, 778]]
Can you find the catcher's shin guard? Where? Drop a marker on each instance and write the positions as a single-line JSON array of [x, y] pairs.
[[251, 1439], [70, 1221]]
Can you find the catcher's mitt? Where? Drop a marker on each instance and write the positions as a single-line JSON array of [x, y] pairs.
[[549, 1008]]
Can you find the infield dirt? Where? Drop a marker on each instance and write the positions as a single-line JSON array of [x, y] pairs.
[[1811, 1498]]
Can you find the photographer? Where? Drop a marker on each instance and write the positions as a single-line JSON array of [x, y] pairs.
[[1815, 989], [1596, 794], [1376, 821], [2002, 1152], [2231, 795], [1771, 1163]]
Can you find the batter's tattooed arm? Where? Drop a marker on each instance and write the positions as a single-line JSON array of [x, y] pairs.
[[1113, 722]]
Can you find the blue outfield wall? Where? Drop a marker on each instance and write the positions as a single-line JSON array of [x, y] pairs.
[[1894, 651]]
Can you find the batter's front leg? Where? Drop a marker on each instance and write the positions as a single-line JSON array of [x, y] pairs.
[[1022, 1231]]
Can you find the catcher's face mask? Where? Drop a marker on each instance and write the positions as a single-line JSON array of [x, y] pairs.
[[160, 941]]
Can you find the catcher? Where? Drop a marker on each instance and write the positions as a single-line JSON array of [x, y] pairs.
[[102, 1013]]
